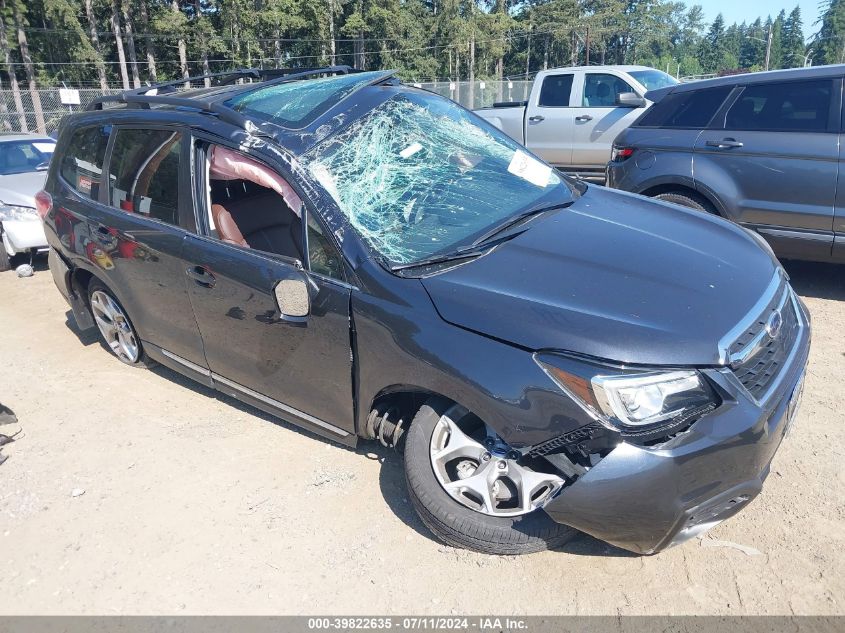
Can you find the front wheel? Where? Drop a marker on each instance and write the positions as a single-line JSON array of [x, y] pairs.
[[472, 490]]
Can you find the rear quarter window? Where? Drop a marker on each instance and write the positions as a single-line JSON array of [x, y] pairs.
[[82, 160], [688, 109]]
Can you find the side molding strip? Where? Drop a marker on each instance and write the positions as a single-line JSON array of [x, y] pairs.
[[186, 363], [254, 394], [279, 405]]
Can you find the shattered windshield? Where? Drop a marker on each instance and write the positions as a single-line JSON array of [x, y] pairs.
[[297, 103], [418, 176]]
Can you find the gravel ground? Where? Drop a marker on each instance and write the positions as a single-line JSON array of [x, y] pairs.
[[133, 491]]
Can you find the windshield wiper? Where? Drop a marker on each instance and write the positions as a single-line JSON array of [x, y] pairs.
[[468, 253], [512, 221], [492, 237]]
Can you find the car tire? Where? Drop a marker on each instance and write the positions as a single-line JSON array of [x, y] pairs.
[[460, 526], [687, 200], [115, 326], [5, 262]]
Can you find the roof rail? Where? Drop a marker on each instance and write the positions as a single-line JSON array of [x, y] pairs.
[[142, 97]]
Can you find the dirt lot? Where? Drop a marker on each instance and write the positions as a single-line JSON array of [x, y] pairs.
[[194, 503]]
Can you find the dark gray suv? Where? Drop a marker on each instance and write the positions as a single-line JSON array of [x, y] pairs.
[[760, 149]]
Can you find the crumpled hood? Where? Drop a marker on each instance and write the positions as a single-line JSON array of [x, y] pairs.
[[613, 276], [20, 189]]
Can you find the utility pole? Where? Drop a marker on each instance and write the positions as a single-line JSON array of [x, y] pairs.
[[769, 47], [587, 47]]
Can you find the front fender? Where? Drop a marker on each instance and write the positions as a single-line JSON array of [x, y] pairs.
[[407, 343]]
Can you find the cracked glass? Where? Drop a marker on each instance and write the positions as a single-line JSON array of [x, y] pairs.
[[297, 103], [419, 175]]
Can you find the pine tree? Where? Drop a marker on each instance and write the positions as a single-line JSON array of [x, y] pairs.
[[777, 41], [712, 52], [792, 47], [830, 47]]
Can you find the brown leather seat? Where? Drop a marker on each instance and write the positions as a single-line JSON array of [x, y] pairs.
[[227, 229]]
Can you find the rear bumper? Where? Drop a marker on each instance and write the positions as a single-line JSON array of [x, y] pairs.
[[646, 499], [21, 236], [616, 174]]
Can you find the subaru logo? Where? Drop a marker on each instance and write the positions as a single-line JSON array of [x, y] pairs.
[[774, 324]]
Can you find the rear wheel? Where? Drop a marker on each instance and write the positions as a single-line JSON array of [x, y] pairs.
[[473, 490], [114, 325], [687, 200]]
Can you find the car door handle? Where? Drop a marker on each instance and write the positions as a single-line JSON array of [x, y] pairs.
[[202, 276], [584, 117], [725, 143], [536, 118], [104, 236]]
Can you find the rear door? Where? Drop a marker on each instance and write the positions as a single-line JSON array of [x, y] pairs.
[[597, 119], [773, 156], [549, 124], [136, 216], [298, 369]]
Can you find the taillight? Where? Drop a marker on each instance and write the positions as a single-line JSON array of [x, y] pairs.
[[43, 203], [621, 153]]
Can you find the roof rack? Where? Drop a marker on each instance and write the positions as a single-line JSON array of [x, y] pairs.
[[142, 97]]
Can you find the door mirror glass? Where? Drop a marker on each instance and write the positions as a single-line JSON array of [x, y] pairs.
[[630, 100], [292, 298]]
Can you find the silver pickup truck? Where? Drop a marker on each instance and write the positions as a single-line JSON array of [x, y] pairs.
[[573, 114]]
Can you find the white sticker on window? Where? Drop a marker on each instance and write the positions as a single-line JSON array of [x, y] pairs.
[[530, 169], [409, 151]]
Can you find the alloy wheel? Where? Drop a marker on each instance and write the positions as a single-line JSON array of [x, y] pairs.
[[483, 473], [115, 327]]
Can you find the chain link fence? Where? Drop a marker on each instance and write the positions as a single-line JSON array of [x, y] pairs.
[[480, 94], [20, 114]]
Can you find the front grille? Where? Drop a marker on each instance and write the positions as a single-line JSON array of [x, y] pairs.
[[766, 355]]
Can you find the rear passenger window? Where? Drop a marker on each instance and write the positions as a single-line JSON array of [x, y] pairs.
[[691, 109], [555, 91], [144, 173], [82, 163], [802, 106]]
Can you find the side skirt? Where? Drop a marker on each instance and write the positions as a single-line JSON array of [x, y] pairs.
[[250, 397]]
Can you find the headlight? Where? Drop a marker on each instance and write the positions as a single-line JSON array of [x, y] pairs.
[[629, 400], [638, 401], [12, 212]]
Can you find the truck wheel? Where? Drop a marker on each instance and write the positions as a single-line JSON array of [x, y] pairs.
[[687, 200], [115, 327], [5, 264], [471, 489]]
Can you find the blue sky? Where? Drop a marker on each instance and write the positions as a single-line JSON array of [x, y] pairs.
[[737, 10]]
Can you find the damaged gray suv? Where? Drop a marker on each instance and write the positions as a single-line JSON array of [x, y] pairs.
[[371, 261]]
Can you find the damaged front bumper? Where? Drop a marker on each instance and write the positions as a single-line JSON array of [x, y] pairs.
[[23, 235], [645, 499]]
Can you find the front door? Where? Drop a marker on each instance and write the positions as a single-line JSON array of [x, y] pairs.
[[776, 154], [598, 120], [301, 369]]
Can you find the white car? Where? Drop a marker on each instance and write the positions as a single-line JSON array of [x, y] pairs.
[[23, 168]]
